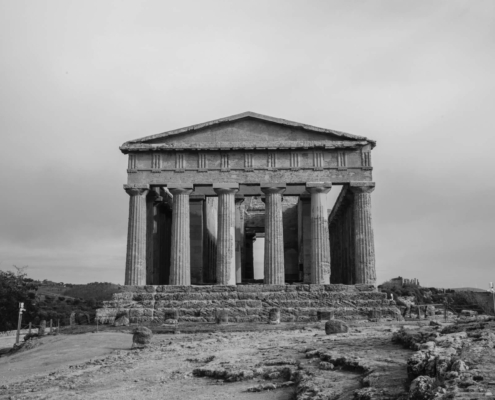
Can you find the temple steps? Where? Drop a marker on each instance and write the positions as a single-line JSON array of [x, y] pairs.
[[247, 303]]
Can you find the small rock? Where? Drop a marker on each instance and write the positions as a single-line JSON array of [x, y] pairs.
[[335, 326], [141, 337], [222, 316], [274, 316], [121, 321], [326, 366]]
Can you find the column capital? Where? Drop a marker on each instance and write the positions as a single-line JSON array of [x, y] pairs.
[[273, 189], [136, 190], [318, 187], [362, 187], [178, 190], [225, 190]]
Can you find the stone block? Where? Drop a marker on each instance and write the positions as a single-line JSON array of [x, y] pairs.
[[291, 288], [247, 296], [248, 303], [365, 288], [140, 312], [317, 288], [224, 288], [335, 287], [274, 288], [143, 296], [164, 296], [202, 288], [250, 288], [173, 289], [324, 315], [166, 313], [196, 304], [207, 312], [303, 288], [253, 311], [123, 296], [188, 312]]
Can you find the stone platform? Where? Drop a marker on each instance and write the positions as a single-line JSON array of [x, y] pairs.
[[248, 303]]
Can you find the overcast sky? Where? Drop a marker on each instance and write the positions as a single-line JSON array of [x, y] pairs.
[[79, 78]]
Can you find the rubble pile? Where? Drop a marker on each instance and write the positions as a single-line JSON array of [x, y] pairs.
[[454, 361]]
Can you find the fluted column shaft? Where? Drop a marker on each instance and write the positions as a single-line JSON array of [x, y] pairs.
[[274, 236], [180, 259], [135, 266], [320, 243], [364, 244], [226, 236]]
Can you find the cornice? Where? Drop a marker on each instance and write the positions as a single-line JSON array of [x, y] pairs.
[[215, 146]]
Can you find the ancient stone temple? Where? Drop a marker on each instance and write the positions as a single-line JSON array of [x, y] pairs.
[[201, 196], [189, 188]]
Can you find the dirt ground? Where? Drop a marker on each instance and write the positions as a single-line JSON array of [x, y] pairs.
[[103, 365]]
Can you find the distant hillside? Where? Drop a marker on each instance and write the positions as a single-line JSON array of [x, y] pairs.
[[96, 290], [468, 289]]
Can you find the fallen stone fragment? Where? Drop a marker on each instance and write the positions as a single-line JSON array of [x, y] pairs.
[[274, 316], [335, 326], [222, 316], [121, 321], [326, 366], [421, 387], [142, 337]]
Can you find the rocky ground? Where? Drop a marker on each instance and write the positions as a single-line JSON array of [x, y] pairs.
[[372, 361]]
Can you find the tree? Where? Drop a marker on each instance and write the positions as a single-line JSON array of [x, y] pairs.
[[15, 289]]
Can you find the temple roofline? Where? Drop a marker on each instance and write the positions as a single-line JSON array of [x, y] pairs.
[[243, 115]]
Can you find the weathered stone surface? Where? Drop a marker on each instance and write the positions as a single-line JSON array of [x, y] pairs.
[[121, 321], [222, 316], [135, 270], [295, 303], [364, 238], [320, 242], [141, 337], [335, 326], [226, 260], [180, 266], [274, 238], [274, 316]]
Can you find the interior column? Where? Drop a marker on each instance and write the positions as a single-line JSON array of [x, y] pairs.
[[320, 242], [239, 237]]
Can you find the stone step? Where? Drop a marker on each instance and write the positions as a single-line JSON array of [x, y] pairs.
[[246, 302], [208, 314], [249, 288], [278, 296]]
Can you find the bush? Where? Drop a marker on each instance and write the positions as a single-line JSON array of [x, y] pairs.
[[61, 298]]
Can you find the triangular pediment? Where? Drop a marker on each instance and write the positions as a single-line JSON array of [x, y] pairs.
[[247, 130]]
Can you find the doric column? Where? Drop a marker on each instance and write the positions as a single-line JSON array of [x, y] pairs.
[[320, 242], [135, 266], [226, 233], [274, 236], [180, 261], [364, 244], [239, 237]]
